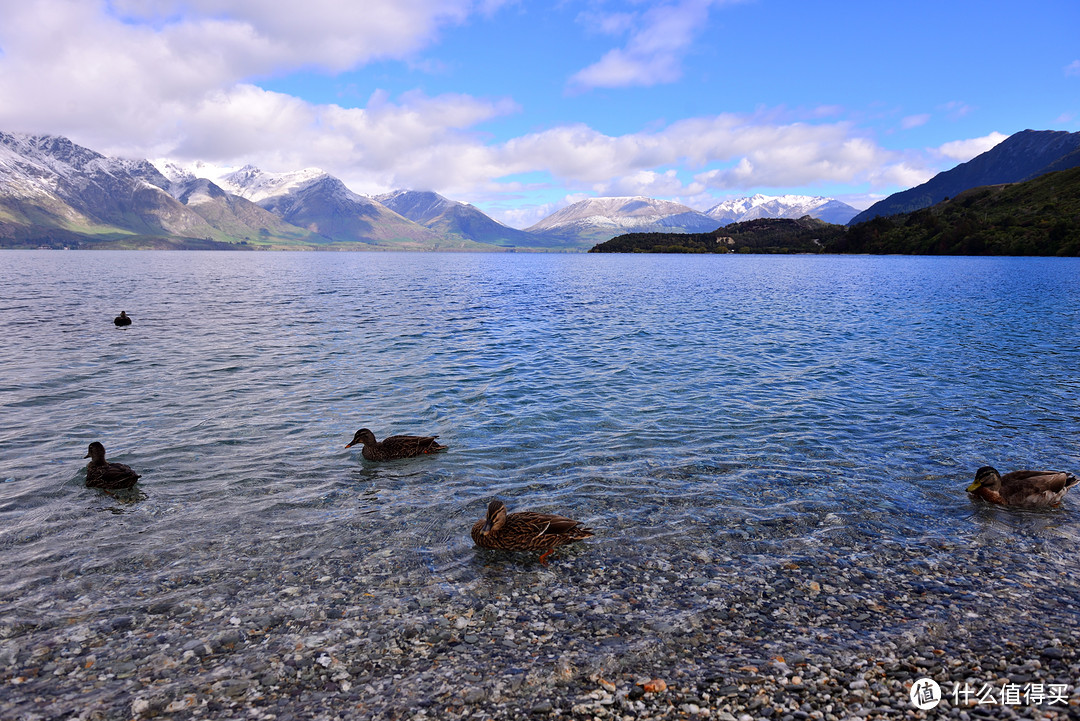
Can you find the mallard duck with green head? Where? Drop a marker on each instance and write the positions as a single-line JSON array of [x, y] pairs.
[[526, 530], [394, 447], [1025, 489], [103, 474]]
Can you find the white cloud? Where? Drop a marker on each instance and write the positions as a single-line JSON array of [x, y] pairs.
[[138, 82], [1073, 68], [88, 68], [956, 109], [964, 150], [643, 182], [326, 33], [914, 121], [525, 216], [653, 54]]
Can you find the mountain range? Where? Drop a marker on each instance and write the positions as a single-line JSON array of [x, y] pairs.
[[600, 218], [54, 192], [454, 219], [1036, 217], [1022, 156]]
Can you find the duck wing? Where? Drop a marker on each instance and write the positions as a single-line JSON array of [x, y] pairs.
[[548, 525], [111, 476], [409, 446], [1036, 488]]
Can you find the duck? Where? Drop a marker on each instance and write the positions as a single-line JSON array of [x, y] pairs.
[[1025, 489], [103, 474], [526, 530], [122, 319], [394, 447]]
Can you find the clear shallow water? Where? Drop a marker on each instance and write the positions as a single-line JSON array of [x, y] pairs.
[[759, 408]]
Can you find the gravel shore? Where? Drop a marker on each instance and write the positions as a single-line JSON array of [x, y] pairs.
[[841, 634]]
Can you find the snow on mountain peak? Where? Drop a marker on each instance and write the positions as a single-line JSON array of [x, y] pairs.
[[738, 210], [255, 185], [625, 214]]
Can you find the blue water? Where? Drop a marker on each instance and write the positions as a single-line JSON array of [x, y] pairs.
[[759, 407]]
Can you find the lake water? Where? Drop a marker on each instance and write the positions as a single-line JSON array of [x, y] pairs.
[[742, 410]]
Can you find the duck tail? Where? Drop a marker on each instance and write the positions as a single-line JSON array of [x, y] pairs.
[[1071, 480]]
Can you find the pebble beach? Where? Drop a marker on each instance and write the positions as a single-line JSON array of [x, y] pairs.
[[842, 635]]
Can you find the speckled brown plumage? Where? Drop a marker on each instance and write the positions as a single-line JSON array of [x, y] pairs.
[[394, 447], [526, 530], [102, 474], [1028, 489]]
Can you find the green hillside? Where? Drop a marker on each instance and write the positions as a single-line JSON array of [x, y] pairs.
[[1036, 217]]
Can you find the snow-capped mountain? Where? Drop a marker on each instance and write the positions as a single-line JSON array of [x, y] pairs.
[[454, 218], [319, 202], [53, 188], [738, 210], [604, 218], [256, 185]]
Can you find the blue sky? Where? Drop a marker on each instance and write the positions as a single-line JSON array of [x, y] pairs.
[[523, 107]]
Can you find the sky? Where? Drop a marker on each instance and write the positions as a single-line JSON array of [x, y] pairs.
[[522, 107]]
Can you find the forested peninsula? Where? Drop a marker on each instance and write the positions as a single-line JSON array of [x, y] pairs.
[[1035, 217]]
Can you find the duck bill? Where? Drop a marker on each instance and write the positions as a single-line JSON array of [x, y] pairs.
[[486, 529], [87, 455], [974, 486], [351, 444]]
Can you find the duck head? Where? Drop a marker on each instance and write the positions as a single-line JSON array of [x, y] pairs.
[[96, 452], [496, 518], [362, 436], [986, 477]]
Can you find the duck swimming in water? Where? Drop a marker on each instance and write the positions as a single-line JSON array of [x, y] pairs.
[[1027, 489], [122, 319], [526, 530], [394, 447], [102, 474]]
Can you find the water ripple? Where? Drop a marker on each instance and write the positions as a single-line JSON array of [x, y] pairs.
[[769, 407]]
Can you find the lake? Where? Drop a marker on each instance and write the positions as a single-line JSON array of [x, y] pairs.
[[712, 417]]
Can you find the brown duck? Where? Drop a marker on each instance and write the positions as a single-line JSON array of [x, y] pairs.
[[122, 319], [1028, 489], [526, 530], [102, 474], [394, 447]]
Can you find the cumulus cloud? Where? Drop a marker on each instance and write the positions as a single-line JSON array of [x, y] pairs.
[[525, 216], [653, 54], [139, 79], [326, 33], [644, 182], [792, 155], [964, 150], [88, 68]]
